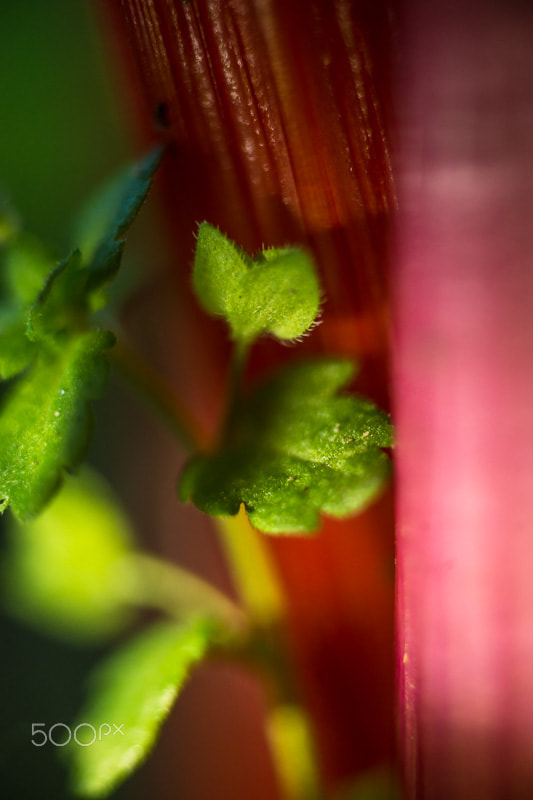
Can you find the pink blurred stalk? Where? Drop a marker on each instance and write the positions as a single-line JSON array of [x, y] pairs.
[[464, 402]]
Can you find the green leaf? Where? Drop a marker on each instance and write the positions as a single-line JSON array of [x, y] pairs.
[[59, 297], [45, 421], [297, 448], [62, 303], [26, 266], [134, 691], [16, 351], [100, 229], [65, 571], [105, 265], [44, 320], [276, 292]]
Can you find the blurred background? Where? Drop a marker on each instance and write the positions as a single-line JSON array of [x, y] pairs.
[[61, 134], [61, 129]]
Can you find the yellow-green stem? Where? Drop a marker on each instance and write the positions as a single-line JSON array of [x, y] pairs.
[[287, 726], [292, 746], [149, 581], [252, 569], [156, 584]]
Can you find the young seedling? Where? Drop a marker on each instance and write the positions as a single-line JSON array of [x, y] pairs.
[[295, 446]]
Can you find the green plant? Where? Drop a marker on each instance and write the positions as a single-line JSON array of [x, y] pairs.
[[293, 446]]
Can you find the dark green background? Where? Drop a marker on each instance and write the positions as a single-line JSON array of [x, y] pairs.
[[61, 129], [61, 133]]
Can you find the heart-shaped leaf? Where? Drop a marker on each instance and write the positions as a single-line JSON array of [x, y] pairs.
[[276, 292]]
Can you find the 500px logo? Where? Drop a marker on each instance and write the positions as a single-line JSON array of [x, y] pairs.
[[89, 736]]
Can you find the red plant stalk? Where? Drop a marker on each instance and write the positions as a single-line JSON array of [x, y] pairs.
[[464, 398], [275, 114]]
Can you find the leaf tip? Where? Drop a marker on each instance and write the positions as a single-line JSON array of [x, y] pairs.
[[148, 166]]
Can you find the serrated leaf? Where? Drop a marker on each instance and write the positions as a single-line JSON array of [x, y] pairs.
[[133, 691], [298, 448], [276, 292], [45, 316], [64, 570], [45, 421]]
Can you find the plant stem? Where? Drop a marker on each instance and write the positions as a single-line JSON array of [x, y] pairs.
[[237, 367], [252, 569], [153, 387], [287, 727], [154, 583], [290, 739], [157, 584]]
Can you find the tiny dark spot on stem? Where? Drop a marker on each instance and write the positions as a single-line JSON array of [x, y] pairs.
[[161, 117]]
